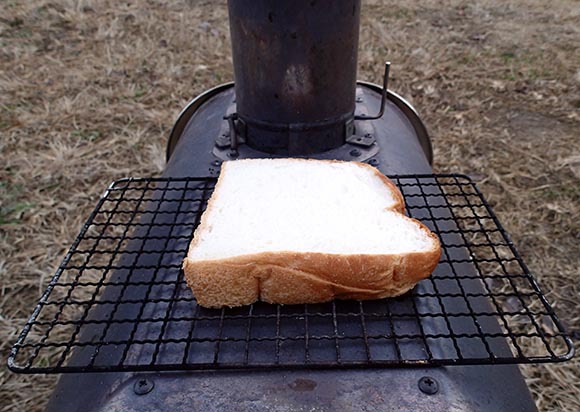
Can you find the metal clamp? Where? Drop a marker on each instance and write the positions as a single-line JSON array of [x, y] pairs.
[[383, 96], [231, 118]]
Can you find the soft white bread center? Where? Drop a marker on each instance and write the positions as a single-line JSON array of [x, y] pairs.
[[302, 206]]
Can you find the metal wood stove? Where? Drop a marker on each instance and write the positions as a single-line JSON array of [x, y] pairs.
[[141, 343]]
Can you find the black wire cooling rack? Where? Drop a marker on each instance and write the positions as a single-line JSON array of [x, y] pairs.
[[119, 301]]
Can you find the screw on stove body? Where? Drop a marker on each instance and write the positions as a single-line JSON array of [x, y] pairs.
[[373, 162], [143, 386], [355, 153], [359, 99], [428, 385]]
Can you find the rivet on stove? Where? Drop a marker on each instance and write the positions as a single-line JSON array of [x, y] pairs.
[[355, 153]]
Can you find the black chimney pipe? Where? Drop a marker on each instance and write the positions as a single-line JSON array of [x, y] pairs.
[[295, 72]]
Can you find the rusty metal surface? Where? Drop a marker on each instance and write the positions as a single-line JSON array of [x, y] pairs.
[[288, 89], [460, 389], [187, 112]]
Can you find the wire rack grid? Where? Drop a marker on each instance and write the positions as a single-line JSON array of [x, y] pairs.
[[119, 301]]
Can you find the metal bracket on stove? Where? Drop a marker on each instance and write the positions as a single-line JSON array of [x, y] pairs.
[[360, 134], [383, 96], [366, 140], [359, 137], [232, 135]]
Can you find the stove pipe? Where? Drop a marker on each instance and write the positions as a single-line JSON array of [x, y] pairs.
[[295, 72]]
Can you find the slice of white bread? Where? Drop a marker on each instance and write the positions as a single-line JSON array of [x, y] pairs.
[[303, 231]]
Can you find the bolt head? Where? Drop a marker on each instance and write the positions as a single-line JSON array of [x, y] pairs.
[[373, 162], [143, 386], [355, 153], [428, 385]]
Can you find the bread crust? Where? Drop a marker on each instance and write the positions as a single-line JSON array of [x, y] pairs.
[[288, 277], [292, 278]]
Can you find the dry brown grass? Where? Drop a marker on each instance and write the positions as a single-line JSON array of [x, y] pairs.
[[90, 89]]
